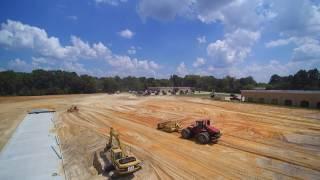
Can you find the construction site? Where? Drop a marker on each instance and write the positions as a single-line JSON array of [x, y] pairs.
[[249, 141]]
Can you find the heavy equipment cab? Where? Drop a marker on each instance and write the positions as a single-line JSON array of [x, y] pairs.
[[201, 124], [116, 153]]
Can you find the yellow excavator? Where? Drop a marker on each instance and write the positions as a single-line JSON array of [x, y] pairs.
[[122, 162]]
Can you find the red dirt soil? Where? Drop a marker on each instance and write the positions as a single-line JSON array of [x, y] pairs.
[[258, 141]]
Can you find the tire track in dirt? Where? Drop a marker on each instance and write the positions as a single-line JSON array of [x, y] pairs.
[[254, 145], [269, 116], [155, 147], [149, 137]]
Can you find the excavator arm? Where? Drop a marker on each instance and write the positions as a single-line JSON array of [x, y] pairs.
[[114, 135], [122, 163]]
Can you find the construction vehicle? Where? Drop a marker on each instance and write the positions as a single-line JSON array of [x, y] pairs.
[[202, 131], [121, 162], [147, 93], [169, 126], [73, 108], [234, 97]]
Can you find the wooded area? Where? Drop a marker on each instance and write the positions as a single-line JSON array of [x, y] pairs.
[[302, 80], [41, 82]]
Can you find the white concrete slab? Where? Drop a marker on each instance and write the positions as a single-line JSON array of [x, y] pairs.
[[29, 153]]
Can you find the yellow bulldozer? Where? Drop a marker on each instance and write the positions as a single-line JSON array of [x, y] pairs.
[[73, 108], [121, 162], [169, 126]]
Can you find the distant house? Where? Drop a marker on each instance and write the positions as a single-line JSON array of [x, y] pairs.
[[299, 98]]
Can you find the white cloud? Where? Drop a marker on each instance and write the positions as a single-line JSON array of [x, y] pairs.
[[262, 72], [19, 65], [293, 39], [48, 64], [165, 9], [83, 50], [126, 33], [296, 17], [212, 11], [182, 70], [73, 17], [234, 48], [279, 42], [307, 48], [292, 17], [110, 2], [132, 50], [75, 67], [132, 66], [306, 52], [16, 35], [199, 62], [232, 13], [244, 21], [43, 63], [49, 53], [201, 39], [298, 25], [36, 61], [128, 63]]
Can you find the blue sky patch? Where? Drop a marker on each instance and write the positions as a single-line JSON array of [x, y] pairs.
[[158, 38]]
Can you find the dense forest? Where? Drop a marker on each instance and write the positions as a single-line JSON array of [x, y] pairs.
[[302, 80], [41, 82]]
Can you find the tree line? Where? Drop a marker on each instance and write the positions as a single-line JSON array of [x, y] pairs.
[[41, 82], [302, 80]]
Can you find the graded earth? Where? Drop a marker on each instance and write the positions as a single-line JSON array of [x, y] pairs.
[[257, 142]]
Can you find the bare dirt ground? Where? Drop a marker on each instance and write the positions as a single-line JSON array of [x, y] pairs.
[[13, 110], [258, 141]]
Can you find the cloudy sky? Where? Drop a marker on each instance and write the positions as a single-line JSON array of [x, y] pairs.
[[157, 38]]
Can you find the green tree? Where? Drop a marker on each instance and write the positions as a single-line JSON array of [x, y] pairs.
[[110, 85]]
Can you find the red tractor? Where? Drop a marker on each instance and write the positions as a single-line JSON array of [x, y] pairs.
[[202, 131]]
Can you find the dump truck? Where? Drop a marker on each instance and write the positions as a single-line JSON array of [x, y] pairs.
[[121, 162], [169, 126], [202, 131]]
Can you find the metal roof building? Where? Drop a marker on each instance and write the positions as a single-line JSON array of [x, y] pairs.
[[298, 98]]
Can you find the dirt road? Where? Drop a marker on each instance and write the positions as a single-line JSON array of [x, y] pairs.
[[258, 141]]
